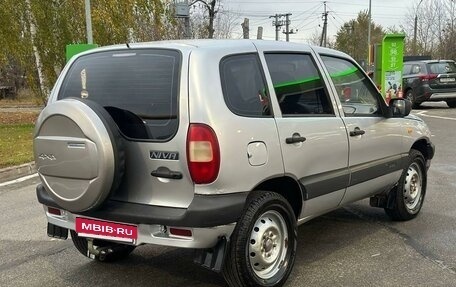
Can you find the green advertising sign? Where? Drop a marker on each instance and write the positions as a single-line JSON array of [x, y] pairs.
[[392, 54], [75, 49]]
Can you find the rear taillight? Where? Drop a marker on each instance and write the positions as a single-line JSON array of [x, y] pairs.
[[428, 77], [203, 153]]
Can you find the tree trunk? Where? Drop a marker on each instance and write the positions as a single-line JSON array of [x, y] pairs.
[[212, 13], [43, 88]]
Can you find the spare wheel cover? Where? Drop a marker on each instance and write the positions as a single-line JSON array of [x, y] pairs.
[[78, 153]]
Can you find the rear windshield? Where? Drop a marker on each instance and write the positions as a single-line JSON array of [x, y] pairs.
[[442, 68], [137, 87]]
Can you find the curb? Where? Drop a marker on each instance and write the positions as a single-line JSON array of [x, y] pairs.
[[15, 172]]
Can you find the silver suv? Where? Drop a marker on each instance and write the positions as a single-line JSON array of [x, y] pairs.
[[220, 146]]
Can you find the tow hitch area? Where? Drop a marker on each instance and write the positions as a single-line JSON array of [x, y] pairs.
[[55, 231], [102, 251]]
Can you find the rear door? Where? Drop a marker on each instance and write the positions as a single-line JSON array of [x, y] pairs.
[[312, 136], [145, 92], [375, 141]]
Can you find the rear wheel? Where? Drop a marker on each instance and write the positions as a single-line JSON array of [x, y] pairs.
[[263, 245], [451, 103], [108, 251], [410, 191]]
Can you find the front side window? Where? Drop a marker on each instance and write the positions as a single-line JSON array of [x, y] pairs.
[[356, 92], [243, 85], [138, 87], [298, 85]]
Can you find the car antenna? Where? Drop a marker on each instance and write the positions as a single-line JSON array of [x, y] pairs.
[[128, 45]]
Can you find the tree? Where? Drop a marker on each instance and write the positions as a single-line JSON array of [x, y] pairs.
[[435, 29], [34, 33], [352, 36], [211, 8]]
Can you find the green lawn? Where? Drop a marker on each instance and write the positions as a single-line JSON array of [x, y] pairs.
[[16, 145]]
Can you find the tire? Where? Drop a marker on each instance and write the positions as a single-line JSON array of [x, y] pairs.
[[409, 96], [262, 248], [451, 103], [116, 252], [409, 194]]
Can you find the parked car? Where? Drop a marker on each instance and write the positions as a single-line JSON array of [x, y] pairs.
[[221, 146], [430, 80]]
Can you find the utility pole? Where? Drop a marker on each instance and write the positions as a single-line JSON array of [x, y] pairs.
[[287, 31], [260, 33], [325, 27], [88, 15], [277, 25], [368, 63], [245, 28], [415, 28]]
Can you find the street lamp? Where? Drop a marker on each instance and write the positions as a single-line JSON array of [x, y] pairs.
[[415, 28]]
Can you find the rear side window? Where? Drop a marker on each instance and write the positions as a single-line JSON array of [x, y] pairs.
[[298, 85], [243, 85], [138, 88]]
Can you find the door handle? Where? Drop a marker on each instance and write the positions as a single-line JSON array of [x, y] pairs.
[[357, 132], [165, 172], [295, 138]]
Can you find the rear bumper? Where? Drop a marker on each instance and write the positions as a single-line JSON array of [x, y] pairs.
[[208, 217], [426, 93], [203, 211], [442, 96], [157, 234]]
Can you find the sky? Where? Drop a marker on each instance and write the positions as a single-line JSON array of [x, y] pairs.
[[307, 15]]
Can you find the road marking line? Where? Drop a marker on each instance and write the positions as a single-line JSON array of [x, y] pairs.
[[24, 178], [423, 113]]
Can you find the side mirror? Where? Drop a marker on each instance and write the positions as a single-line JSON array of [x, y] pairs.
[[400, 107]]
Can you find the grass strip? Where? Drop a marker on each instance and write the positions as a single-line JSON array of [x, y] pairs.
[[16, 146]]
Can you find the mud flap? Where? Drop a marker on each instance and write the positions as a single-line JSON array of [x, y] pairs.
[[55, 231], [212, 258]]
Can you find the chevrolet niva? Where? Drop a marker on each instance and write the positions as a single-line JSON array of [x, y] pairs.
[[222, 146]]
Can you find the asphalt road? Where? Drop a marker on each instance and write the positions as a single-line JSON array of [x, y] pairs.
[[352, 246]]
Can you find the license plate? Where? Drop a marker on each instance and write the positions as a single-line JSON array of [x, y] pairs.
[[92, 228], [447, 80]]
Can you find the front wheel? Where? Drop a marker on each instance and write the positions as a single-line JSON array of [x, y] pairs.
[[263, 245], [410, 191]]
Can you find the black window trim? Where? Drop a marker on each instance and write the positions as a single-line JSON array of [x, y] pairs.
[[263, 77], [178, 86], [325, 87]]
